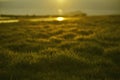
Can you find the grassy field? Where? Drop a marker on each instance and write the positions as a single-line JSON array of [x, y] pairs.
[[84, 49]]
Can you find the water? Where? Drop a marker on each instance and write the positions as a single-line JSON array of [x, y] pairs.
[[8, 20]]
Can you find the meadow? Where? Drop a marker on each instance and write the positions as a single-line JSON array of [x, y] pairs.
[[83, 49]]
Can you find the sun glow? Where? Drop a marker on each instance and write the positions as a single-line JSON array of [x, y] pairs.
[[60, 18], [60, 1]]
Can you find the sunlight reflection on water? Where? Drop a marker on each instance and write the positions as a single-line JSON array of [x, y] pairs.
[[60, 18], [8, 21], [53, 19], [40, 19]]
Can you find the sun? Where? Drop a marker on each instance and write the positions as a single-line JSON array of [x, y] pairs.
[[60, 1], [60, 18]]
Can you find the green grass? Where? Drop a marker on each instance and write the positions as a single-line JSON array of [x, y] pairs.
[[85, 49]]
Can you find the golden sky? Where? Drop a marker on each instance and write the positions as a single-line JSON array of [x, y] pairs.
[[53, 6]]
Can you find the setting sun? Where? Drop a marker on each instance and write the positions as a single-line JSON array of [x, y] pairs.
[[60, 1], [60, 18]]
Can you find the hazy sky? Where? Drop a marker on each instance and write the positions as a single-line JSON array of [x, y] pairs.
[[53, 6]]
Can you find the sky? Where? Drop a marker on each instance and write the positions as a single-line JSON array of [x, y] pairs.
[[49, 7]]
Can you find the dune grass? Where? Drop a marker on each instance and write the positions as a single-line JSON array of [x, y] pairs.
[[85, 49]]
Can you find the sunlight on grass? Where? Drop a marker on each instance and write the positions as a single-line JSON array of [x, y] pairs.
[[60, 48]]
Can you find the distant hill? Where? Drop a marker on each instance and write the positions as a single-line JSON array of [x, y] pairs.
[[72, 14]]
